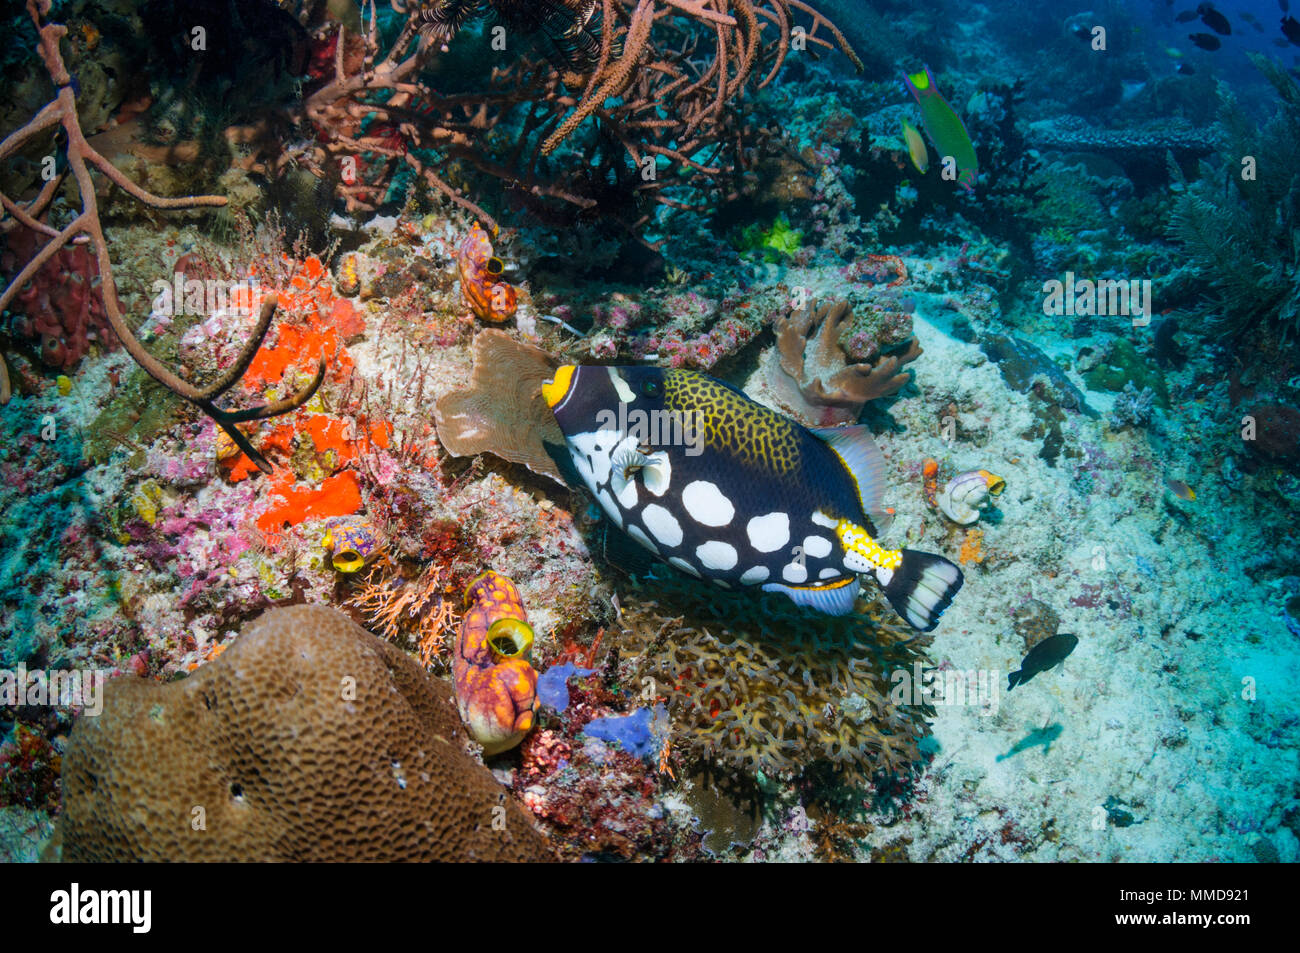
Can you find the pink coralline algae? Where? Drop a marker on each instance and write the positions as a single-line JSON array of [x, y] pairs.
[[701, 351], [60, 308]]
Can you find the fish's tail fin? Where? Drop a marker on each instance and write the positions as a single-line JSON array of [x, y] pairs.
[[1014, 679], [921, 587]]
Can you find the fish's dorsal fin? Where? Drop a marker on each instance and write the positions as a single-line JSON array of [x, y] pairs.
[[858, 452]]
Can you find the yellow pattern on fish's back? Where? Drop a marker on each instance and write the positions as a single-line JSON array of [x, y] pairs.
[[733, 425]]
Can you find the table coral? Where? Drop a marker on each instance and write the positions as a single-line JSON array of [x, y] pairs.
[[246, 759]]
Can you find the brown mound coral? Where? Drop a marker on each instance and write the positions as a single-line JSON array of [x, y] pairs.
[[307, 740], [757, 684], [808, 374], [503, 412]]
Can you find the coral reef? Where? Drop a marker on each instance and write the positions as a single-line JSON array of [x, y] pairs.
[[60, 308], [752, 686], [661, 77], [1025, 367], [1240, 230], [229, 778], [62, 112], [1034, 622], [1153, 140], [1132, 408]]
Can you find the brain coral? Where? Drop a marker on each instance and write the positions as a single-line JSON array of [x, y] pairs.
[[757, 684], [307, 740]]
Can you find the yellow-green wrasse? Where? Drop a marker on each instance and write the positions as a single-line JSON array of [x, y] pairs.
[[727, 490]]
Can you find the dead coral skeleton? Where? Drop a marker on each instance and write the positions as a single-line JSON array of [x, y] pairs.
[[812, 377], [660, 78], [61, 113]]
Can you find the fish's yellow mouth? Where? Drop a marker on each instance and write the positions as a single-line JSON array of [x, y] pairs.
[[555, 389]]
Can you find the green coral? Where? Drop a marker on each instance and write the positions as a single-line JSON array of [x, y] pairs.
[[775, 242], [758, 685], [1124, 365]]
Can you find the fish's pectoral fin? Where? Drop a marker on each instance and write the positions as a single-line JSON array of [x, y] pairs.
[[833, 598], [857, 449]]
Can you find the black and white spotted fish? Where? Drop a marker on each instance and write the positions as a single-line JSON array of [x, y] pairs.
[[727, 490]]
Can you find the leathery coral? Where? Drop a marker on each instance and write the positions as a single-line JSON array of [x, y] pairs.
[[503, 412], [307, 740], [496, 684], [755, 684], [809, 375]]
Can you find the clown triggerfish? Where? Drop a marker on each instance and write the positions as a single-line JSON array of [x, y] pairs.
[[726, 490]]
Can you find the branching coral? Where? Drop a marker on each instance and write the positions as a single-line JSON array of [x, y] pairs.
[[756, 685], [809, 376], [660, 79], [61, 113]]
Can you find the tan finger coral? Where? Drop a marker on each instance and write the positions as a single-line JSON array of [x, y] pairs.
[[503, 412], [809, 375], [307, 740]]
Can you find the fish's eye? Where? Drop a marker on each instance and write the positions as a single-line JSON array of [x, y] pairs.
[[650, 388]]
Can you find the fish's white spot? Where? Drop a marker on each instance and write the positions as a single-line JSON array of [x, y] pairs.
[[795, 573], [817, 547], [658, 474], [757, 574], [610, 507], [684, 566], [717, 555], [883, 576], [662, 525], [706, 504], [769, 533], [636, 533], [626, 490], [821, 519], [828, 573]]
